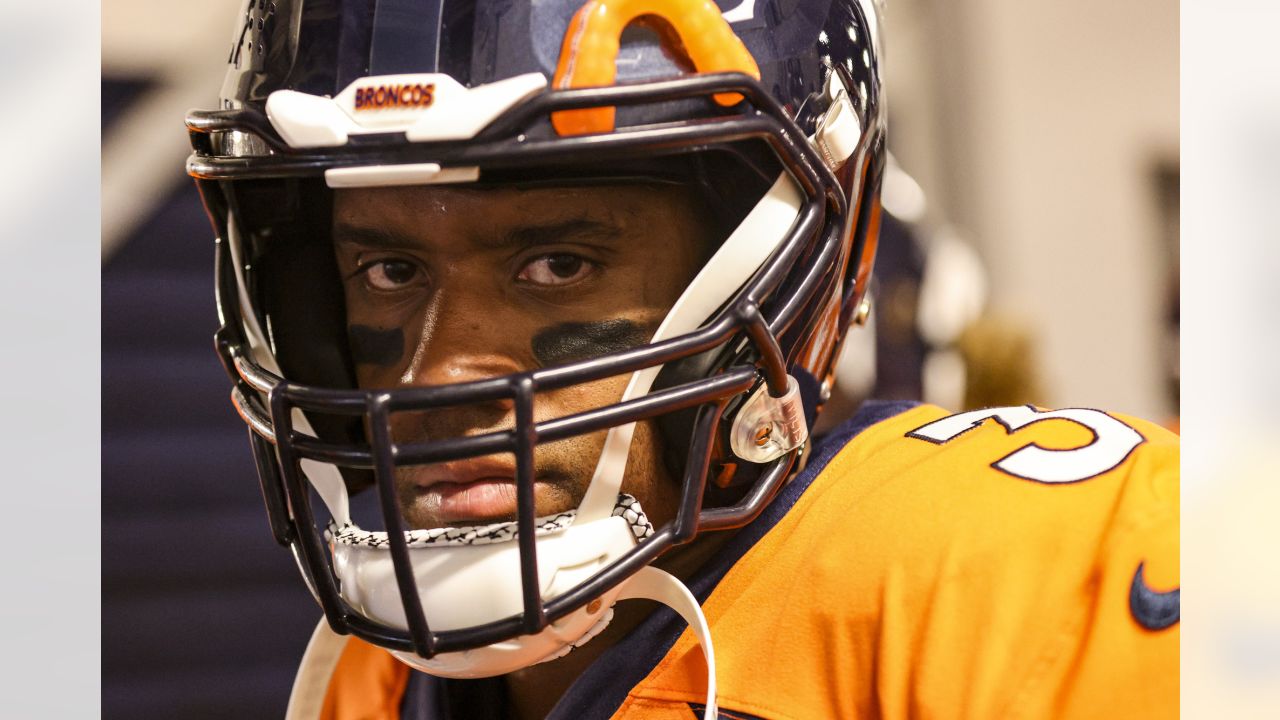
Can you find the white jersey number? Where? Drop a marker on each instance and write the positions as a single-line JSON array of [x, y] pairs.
[[1112, 442]]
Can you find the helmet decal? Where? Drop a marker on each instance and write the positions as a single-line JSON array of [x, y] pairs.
[[398, 95], [426, 107], [694, 29]]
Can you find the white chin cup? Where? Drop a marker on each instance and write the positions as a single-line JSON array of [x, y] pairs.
[[468, 585]]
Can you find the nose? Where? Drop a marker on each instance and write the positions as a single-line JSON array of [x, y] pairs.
[[463, 337]]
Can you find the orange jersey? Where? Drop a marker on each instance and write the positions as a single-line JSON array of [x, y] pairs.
[[1008, 563]]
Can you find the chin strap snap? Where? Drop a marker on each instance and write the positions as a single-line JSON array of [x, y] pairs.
[[766, 427], [839, 131], [660, 586]]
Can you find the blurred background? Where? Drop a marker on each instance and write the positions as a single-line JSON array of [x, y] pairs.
[[1033, 256]]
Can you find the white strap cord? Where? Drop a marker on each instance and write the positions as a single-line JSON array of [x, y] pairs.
[[660, 586]]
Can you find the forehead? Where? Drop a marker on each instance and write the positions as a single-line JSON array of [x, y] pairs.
[[620, 203]]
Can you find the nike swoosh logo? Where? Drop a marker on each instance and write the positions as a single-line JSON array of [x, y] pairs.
[[1152, 610]]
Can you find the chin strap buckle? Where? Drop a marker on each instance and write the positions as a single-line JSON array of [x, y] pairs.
[[838, 130]]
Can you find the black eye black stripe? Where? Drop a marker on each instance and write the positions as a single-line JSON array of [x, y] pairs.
[[572, 341], [375, 346]]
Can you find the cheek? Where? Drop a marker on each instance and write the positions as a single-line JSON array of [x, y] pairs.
[[646, 477], [575, 459], [660, 290], [578, 455], [376, 340], [577, 398]]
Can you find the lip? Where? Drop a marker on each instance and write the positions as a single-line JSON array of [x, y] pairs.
[[464, 492], [463, 472]]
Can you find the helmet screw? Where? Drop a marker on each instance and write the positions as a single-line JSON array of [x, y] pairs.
[[863, 312], [763, 434], [593, 607]]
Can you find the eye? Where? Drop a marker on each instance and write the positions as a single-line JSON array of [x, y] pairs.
[[555, 269], [387, 275]]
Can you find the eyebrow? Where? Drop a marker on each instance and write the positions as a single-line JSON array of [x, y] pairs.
[[531, 235], [373, 237]]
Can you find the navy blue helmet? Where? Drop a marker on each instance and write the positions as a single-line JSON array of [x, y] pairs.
[[769, 112]]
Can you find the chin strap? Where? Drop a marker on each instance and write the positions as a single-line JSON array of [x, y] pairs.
[[663, 587], [326, 647]]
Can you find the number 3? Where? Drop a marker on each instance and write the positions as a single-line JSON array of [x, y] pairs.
[[1112, 442]]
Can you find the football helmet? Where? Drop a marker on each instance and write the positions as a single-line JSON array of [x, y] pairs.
[[770, 109]]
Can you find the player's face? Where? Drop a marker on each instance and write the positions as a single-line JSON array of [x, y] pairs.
[[445, 285]]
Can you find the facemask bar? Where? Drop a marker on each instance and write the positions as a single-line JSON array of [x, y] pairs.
[[292, 521]]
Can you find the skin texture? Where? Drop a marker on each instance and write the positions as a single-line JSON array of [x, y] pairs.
[[446, 285]]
